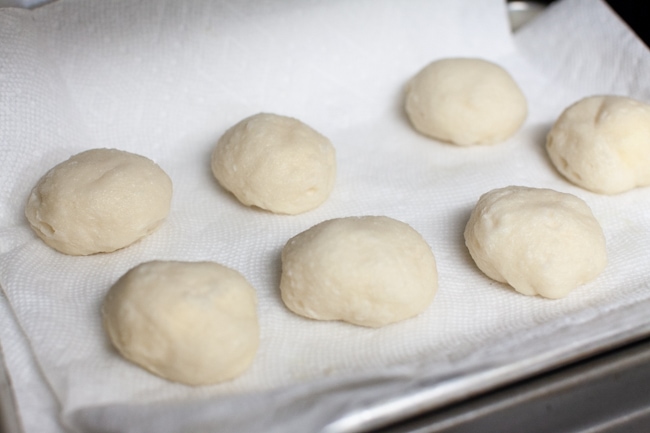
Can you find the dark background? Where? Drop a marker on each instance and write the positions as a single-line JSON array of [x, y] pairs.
[[636, 13]]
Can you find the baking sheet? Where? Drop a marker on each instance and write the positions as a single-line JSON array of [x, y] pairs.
[[165, 79]]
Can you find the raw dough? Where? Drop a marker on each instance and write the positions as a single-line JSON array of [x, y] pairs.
[[276, 163], [602, 143], [189, 322], [540, 241], [369, 271], [99, 201], [465, 101]]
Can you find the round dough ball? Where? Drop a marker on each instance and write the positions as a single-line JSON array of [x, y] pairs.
[[539, 241], [99, 201], [465, 102], [189, 322], [276, 163], [602, 143], [370, 271]]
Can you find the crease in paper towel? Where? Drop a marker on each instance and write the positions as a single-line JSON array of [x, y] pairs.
[[165, 79]]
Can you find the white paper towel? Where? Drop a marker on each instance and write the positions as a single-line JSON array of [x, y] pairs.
[[165, 79]]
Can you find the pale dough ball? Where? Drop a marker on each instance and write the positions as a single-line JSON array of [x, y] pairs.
[[370, 271], [99, 201], [602, 143], [465, 102], [188, 322], [539, 241], [276, 163]]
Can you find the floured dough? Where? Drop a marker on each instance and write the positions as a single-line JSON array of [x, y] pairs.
[[540, 241], [99, 201], [465, 101], [602, 143], [370, 271], [189, 322], [276, 163]]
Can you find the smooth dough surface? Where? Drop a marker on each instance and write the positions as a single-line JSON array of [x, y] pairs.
[[99, 201], [539, 241], [189, 322], [465, 101], [369, 271], [602, 143], [276, 163]]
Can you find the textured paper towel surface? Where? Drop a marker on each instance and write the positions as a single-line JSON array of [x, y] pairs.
[[166, 79]]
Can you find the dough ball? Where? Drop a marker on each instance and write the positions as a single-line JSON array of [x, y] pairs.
[[465, 102], [540, 241], [99, 201], [189, 322], [276, 163], [370, 271], [602, 143]]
